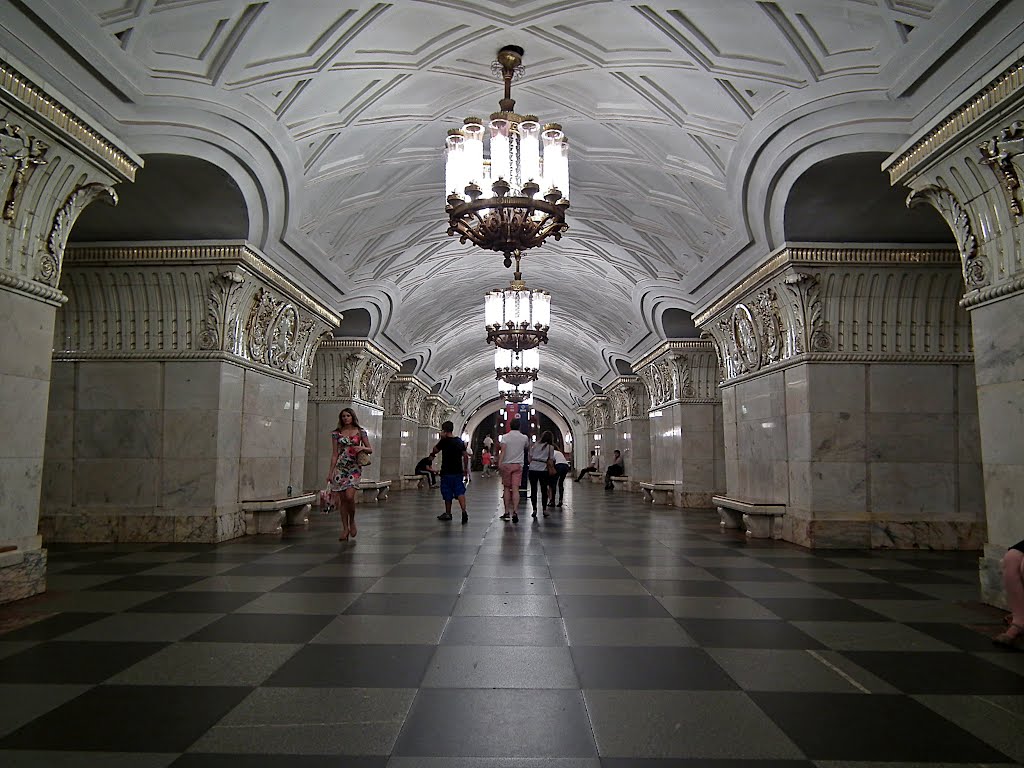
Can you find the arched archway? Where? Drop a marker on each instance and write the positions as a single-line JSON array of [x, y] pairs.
[[548, 410]]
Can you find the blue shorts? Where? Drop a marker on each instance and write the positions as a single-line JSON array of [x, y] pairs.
[[452, 487]]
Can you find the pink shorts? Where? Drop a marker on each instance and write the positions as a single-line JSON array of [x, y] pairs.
[[511, 474]]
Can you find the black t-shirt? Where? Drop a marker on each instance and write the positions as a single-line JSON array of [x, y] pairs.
[[451, 450], [423, 464]]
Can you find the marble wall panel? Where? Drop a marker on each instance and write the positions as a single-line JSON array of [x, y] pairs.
[[912, 388], [116, 482], [188, 484], [20, 484], [913, 437], [397, 448], [113, 434], [125, 386], [264, 477]]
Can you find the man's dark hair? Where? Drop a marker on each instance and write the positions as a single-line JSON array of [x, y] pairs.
[[447, 427], [515, 425]]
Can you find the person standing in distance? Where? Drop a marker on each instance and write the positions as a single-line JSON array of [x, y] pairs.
[[511, 455], [454, 470]]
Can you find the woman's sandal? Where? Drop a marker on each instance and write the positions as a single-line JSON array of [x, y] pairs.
[[352, 531], [1008, 640]]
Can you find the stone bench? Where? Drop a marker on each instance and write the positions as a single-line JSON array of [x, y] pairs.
[[266, 515], [758, 518], [373, 490], [659, 493], [622, 480], [596, 477], [419, 482]]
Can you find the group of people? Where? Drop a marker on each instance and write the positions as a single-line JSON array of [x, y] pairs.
[[615, 469]]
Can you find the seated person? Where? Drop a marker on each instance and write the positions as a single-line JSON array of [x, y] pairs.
[[592, 467], [424, 468], [615, 469]]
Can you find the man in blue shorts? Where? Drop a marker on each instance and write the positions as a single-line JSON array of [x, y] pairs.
[[454, 470]]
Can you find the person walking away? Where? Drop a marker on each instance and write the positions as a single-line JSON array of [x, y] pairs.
[[615, 469], [592, 467], [348, 441], [454, 470], [511, 455], [558, 480], [425, 467], [485, 459], [541, 454]]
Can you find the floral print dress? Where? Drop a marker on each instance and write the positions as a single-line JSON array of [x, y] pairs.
[[347, 471]]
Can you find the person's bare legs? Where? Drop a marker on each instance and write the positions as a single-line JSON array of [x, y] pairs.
[[347, 510], [1013, 583], [351, 494]]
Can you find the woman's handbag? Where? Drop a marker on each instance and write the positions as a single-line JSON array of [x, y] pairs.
[[551, 465], [325, 501], [363, 458]]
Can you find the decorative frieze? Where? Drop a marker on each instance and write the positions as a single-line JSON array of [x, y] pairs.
[[680, 371], [834, 304], [434, 411], [596, 413], [628, 399], [353, 370], [403, 397], [203, 301]]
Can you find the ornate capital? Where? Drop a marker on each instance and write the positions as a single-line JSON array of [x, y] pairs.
[[677, 371], [403, 397], [628, 398], [351, 370]]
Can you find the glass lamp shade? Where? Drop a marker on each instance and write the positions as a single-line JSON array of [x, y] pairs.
[[515, 367]]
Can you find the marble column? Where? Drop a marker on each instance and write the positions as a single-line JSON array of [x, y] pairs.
[[54, 161], [347, 373], [400, 439], [631, 427], [601, 432], [181, 379], [848, 397], [967, 164], [687, 441]]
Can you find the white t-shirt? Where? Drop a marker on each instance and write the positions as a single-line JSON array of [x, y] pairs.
[[560, 458], [515, 445]]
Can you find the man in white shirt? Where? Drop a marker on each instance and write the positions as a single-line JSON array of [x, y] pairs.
[[511, 454]]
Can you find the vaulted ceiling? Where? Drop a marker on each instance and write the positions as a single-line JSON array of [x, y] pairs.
[[689, 122]]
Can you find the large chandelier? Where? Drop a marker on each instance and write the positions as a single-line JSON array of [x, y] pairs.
[[514, 198], [517, 318], [522, 393], [516, 367]]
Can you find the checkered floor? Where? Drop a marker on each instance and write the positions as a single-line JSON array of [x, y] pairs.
[[612, 634]]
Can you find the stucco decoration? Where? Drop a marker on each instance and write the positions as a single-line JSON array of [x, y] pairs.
[[20, 154], [221, 325], [998, 154], [628, 398], [352, 370], [50, 260], [403, 397], [975, 266], [680, 371], [278, 335], [835, 304]]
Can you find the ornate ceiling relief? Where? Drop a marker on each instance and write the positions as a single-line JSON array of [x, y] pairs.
[[680, 371], [403, 397], [856, 304], [987, 221], [52, 165], [351, 370], [193, 302]]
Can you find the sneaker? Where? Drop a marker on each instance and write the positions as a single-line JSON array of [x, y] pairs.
[[506, 516], [465, 518], [515, 518], [445, 516]]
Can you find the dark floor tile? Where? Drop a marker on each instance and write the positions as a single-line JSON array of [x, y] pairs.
[[688, 588], [498, 723], [143, 583], [278, 761], [385, 604], [355, 666], [334, 584], [430, 571], [819, 563], [966, 638], [262, 628], [587, 571], [947, 673], [747, 633], [870, 590], [128, 719], [504, 631], [656, 762], [51, 627], [610, 606], [818, 609], [66, 662], [909, 576], [873, 729], [271, 569], [367, 558], [104, 567], [649, 668], [732, 573], [197, 602], [224, 556]]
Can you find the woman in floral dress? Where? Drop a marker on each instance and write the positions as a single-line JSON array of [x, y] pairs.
[[349, 440]]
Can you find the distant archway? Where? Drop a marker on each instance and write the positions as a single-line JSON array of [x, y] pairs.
[[481, 413]]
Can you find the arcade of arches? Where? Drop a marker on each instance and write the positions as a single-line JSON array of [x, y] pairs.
[[794, 277]]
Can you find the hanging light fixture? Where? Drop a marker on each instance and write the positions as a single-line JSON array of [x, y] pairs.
[[517, 318], [516, 367], [514, 198], [522, 393]]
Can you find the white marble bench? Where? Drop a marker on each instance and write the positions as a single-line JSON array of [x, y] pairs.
[[622, 480], [659, 493], [596, 477], [266, 515], [419, 482], [756, 517], [373, 490]]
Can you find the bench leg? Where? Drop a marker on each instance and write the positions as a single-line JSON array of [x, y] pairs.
[[382, 494], [648, 495], [297, 515], [758, 526], [265, 522], [730, 518], [661, 498]]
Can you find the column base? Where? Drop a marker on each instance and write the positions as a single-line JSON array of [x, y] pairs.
[[143, 528], [22, 574], [881, 534]]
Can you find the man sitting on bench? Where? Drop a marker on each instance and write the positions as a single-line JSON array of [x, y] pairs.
[[615, 469], [424, 468]]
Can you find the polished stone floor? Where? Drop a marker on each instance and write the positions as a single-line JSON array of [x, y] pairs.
[[612, 634]]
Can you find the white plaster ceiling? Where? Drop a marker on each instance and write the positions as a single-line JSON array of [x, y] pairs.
[[332, 115]]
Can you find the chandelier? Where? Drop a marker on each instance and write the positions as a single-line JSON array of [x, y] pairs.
[[515, 198], [523, 393], [516, 367], [517, 318]]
